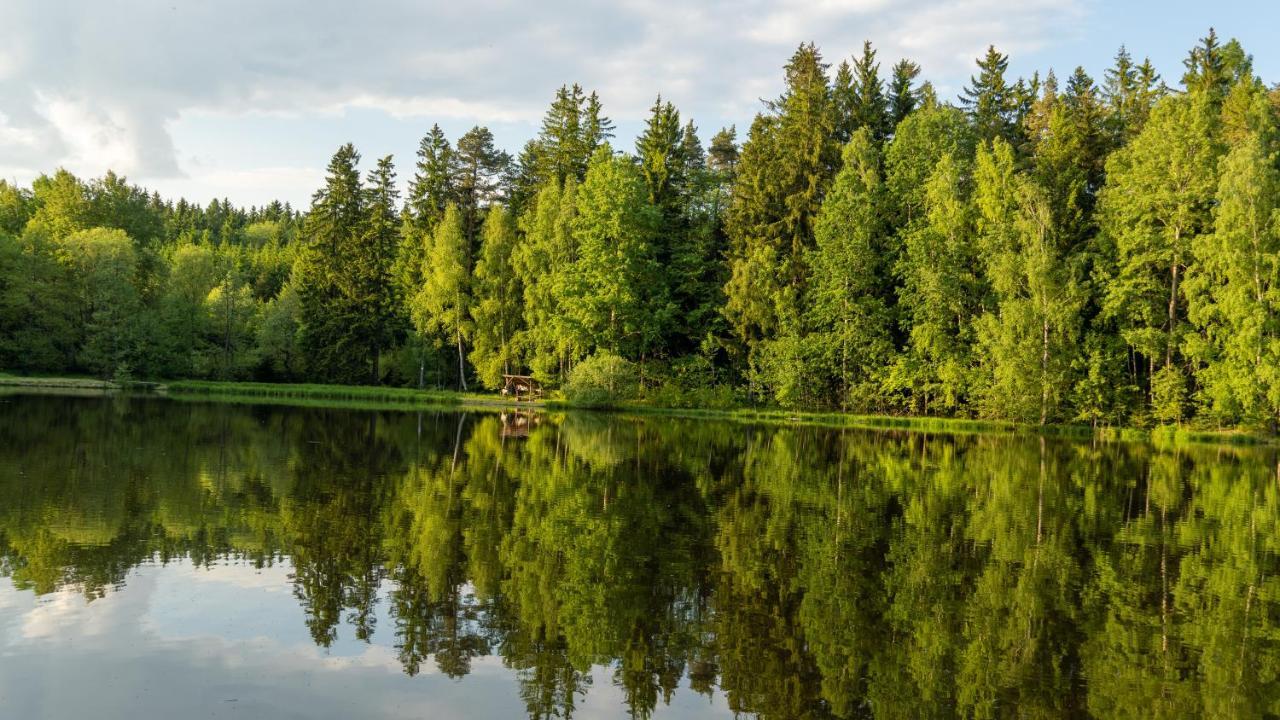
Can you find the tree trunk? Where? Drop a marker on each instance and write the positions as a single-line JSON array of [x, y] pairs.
[[462, 371], [1044, 370], [1173, 313]]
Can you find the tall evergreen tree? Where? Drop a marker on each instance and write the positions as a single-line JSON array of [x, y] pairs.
[[991, 102], [477, 171], [784, 169], [334, 229], [903, 95], [869, 107], [372, 263]]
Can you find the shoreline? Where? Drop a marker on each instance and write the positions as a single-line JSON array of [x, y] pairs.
[[375, 397]]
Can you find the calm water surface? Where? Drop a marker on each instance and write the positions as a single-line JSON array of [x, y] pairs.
[[165, 559]]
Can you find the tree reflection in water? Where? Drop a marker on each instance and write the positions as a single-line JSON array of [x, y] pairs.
[[803, 572]]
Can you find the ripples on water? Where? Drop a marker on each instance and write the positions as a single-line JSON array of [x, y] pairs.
[[169, 559]]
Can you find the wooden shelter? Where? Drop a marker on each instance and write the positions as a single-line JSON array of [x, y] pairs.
[[521, 387]]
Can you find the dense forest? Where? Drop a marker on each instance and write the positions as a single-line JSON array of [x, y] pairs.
[[1040, 250]]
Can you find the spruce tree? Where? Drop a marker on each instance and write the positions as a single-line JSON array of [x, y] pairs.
[[991, 102], [869, 107], [903, 96], [327, 287], [785, 167], [372, 262]]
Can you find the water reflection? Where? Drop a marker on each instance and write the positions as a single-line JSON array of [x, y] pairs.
[[783, 572]]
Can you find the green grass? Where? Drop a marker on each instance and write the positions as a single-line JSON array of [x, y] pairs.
[[373, 398], [60, 383], [348, 395]]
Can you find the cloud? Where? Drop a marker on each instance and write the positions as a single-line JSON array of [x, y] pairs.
[[91, 85]]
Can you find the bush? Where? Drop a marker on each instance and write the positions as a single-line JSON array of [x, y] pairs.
[[602, 380]]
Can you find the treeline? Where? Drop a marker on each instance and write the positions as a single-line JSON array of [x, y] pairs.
[[1042, 250]]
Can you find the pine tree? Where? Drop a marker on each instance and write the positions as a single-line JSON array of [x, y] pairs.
[[477, 171]]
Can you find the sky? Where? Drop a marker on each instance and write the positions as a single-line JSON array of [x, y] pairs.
[[248, 99]]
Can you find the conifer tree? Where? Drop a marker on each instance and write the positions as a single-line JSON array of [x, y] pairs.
[[903, 96], [372, 263], [430, 191], [477, 171], [991, 102], [783, 171], [333, 230], [869, 107], [842, 102]]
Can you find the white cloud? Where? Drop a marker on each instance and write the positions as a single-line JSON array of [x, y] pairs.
[[92, 85]]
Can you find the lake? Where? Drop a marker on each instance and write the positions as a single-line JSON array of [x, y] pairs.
[[171, 559]]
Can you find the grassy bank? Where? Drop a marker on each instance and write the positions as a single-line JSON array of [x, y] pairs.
[[368, 397]]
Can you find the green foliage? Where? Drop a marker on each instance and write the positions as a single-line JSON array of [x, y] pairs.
[[496, 310], [442, 308], [1168, 394], [617, 300], [602, 380]]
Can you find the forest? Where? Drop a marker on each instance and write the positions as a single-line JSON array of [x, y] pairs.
[[1043, 250]]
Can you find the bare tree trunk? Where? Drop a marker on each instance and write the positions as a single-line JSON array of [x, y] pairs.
[[462, 371]]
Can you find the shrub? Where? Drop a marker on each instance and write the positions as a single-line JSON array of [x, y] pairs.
[[602, 380]]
